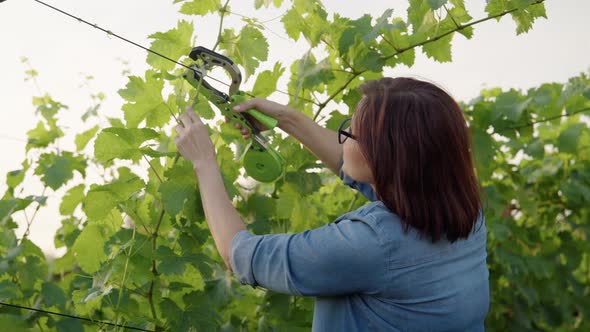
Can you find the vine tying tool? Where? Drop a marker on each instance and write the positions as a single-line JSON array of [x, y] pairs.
[[260, 161]]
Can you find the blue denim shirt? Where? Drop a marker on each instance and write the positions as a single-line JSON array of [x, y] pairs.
[[367, 274]]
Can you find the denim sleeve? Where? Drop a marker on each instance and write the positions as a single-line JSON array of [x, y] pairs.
[[363, 188], [340, 258]]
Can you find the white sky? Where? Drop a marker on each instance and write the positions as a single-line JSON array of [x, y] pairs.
[[65, 51]]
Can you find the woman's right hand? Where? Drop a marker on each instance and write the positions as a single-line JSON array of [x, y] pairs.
[[270, 108]]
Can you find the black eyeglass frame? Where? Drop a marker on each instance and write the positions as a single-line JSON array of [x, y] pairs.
[[342, 132]]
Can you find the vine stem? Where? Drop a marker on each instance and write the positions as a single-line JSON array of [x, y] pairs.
[[459, 27], [544, 120], [30, 222], [150, 293], [154, 270], [153, 169], [450, 15], [124, 277], [222, 11], [428, 41], [33, 77], [323, 104]]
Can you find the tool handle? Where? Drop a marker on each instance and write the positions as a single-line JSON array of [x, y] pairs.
[[265, 119]]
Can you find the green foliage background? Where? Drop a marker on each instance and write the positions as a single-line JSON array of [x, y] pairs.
[[138, 248]]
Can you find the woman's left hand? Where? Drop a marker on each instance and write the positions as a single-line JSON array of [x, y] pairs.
[[193, 141]]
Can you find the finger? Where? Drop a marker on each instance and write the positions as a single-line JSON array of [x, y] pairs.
[[194, 116], [179, 129], [246, 105], [245, 131], [237, 125], [186, 119]]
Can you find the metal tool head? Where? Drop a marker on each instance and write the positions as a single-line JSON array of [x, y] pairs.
[[207, 59]]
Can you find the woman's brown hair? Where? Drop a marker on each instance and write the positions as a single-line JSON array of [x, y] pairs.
[[416, 141]]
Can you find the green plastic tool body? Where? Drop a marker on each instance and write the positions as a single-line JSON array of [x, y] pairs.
[[260, 161]]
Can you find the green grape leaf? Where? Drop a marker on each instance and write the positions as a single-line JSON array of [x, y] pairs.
[[9, 206], [41, 137], [396, 39], [121, 143], [88, 248], [545, 98], [495, 7], [382, 25], [199, 7], [248, 49], [439, 50], [357, 28], [34, 268], [197, 313], [53, 295], [511, 105], [72, 198], [307, 17], [306, 183], [310, 74], [173, 43], [536, 149], [83, 138], [13, 323], [170, 262], [203, 108], [549, 167], [179, 191], [69, 325], [524, 18], [266, 82], [351, 99], [8, 290], [336, 118], [420, 16], [484, 151], [145, 101], [291, 20], [56, 170], [267, 3], [100, 200], [287, 201], [67, 234], [436, 4], [526, 11], [457, 16], [175, 193], [90, 111], [48, 107], [371, 60], [14, 178], [569, 138], [261, 206]]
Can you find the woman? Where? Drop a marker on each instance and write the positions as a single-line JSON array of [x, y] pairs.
[[414, 259]]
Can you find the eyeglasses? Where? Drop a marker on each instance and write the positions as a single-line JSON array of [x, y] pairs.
[[342, 132]]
